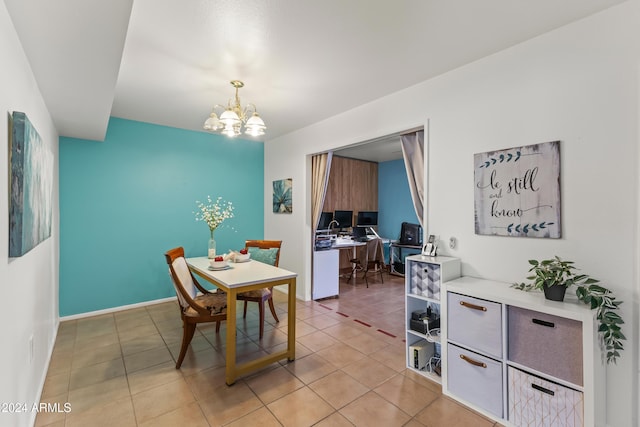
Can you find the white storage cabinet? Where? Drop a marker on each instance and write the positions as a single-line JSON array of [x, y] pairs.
[[326, 273], [424, 277], [520, 359]]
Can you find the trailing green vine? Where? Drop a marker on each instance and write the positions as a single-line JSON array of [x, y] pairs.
[[604, 302]]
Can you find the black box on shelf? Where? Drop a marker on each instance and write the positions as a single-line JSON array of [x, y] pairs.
[[419, 314], [419, 326], [423, 322]]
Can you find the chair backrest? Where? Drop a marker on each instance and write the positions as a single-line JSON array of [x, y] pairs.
[[375, 250], [410, 234], [271, 254], [181, 276]]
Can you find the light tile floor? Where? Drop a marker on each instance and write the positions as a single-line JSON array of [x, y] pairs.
[[119, 369]]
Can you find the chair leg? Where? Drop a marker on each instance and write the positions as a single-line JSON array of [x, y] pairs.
[[217, 327], [364, 276], [354, 270], [188, 329], [273, 309], [261, 310], [244, 313]]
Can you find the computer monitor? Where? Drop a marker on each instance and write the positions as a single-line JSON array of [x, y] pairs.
[[344, 218], [359, 233], [325, 220], [367, 218]]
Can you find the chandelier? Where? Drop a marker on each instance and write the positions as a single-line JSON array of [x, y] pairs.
[[233, 117]]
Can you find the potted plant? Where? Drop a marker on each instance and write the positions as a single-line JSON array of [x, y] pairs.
[[554, 276]]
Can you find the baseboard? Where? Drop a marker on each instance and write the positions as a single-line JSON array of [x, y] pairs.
[[116, 309], [43, 377], [284, 289]]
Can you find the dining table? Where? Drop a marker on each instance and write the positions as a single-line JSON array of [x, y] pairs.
[[240, 277]]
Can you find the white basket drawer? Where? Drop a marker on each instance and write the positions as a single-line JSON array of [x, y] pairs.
[[475, 323], [475, 378], [546, 343], [536, 402], [425, 279]]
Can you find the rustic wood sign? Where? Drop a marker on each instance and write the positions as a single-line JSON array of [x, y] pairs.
[[517, 191]]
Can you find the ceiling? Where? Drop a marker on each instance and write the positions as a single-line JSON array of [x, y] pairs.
[[169, 61], [380, 150]]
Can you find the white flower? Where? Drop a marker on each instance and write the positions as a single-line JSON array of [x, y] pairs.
[[214, 213]]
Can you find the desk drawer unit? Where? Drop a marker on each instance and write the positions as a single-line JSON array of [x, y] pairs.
[[475, 323], [546, 343], [536, 402], [475, 378]]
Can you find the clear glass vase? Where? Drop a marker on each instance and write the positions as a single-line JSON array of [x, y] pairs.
[[211, 253]]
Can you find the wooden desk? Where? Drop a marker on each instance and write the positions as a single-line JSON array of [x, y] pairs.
[[242, 277]]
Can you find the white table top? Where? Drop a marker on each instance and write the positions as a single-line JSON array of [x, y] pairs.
[[347, 243], [241, 273]]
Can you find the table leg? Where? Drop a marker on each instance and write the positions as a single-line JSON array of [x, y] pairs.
[[353, 266], [230, 371], [291, 327]]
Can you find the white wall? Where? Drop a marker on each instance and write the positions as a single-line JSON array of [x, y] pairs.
[[29, 284], [577, 84]]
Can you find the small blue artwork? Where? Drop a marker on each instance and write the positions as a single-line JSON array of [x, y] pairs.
[[282, 198], [31, 176]]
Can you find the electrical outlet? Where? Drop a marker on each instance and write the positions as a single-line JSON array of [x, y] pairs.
[[452, 242]]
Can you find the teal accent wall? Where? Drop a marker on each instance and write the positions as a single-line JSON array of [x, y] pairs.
[[394, 199], [125, 201]]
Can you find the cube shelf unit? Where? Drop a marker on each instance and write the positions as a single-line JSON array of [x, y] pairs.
[[423, 279], [518, 358]]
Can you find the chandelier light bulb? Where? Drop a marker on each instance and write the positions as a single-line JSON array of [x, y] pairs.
[[212, 123], [255, 125]]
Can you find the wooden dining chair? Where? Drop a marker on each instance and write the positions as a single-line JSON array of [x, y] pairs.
[[194, 308], [267, 251]]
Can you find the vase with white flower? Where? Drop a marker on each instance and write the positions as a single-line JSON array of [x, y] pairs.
[[214, 214]]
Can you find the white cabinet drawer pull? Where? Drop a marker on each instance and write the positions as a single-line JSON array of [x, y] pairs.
[[473, 306], [473, 362]]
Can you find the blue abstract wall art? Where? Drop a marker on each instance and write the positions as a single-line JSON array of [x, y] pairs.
[[282, 197], [31, 177]]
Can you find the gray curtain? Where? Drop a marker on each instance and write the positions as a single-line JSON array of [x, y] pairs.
[[413, 154]]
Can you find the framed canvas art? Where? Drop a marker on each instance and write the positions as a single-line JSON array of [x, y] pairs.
[[30, 182], [282, 199], [517, 191]]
